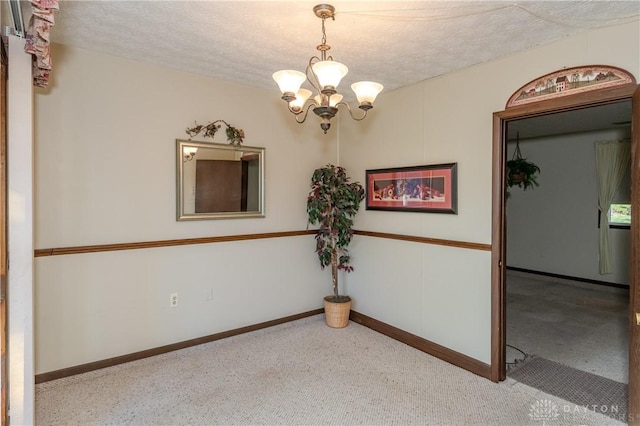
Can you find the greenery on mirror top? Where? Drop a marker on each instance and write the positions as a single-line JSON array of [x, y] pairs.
[[332, 204], [235, 136]]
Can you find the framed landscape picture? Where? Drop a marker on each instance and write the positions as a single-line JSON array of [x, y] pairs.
[[431, 189]]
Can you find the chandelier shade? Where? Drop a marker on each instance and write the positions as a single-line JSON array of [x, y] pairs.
[[324, 75], [329, 73], [289, 81], [366, 91], [301, 98], [333, 100]]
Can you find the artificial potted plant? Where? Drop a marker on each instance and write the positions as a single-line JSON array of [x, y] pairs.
[[332, 204]]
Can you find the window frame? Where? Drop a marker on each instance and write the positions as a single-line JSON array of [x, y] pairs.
[[615, 225]]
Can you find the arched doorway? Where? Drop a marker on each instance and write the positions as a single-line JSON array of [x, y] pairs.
[[560, 104]]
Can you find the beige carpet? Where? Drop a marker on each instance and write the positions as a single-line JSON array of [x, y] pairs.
[[299, 373], [602, 395], [584, 326]]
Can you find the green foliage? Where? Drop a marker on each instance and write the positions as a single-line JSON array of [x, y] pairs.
[[620, 213], [332, 204], [235, 136], [522, 173]]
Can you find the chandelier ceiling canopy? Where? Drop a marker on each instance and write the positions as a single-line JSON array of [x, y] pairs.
[[324, 75]]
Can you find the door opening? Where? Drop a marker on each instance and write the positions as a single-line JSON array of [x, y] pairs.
[[559, 308], [575, 102]]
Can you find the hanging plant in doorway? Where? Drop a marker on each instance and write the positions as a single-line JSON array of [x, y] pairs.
[[520, 172]]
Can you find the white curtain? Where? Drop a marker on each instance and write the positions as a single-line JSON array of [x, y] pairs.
[[612, 162]]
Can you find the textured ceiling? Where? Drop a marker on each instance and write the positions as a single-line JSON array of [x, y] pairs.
[[396, 43]]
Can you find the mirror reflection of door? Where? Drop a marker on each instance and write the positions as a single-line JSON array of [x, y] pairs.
[[221, 186], [227, 185], [217, 181]]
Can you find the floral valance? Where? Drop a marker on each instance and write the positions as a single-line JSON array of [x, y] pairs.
[[38, 39]]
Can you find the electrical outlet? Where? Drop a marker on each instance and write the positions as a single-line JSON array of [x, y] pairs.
[[173, 300]]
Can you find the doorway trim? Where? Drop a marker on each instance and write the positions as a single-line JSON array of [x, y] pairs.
[[498, 237], [3, 238]]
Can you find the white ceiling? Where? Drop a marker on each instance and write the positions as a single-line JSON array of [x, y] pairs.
[[396, 43]]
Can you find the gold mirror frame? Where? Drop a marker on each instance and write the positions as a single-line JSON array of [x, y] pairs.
[[252, 200]]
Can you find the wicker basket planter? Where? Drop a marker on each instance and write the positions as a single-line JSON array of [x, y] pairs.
[[337, 312]]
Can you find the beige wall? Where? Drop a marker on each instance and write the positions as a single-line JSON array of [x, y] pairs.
[[105, 173], [442, 293], [555, 228]]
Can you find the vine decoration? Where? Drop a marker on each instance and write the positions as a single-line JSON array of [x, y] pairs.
[[235, 136]]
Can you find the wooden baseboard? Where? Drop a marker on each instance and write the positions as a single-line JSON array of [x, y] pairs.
[[424, 345], [568, 277], [91, 366]]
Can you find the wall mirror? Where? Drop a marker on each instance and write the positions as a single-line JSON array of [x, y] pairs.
[[218, 181]]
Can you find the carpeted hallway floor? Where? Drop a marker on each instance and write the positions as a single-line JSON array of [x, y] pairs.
[[299, 373], [580, 325]]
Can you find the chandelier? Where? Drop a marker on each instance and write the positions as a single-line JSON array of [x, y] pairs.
[[323, 74]]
